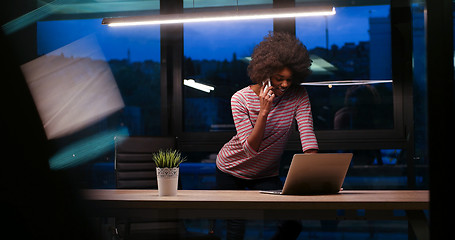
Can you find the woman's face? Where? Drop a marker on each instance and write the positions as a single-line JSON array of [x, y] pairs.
[[281, 81]]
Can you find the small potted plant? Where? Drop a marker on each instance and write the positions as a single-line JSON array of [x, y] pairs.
[[167, 171]]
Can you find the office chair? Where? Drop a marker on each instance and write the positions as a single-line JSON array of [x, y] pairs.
[[134, 166], [135, 169]]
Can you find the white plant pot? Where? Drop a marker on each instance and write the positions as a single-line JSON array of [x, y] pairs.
[[168, 179]]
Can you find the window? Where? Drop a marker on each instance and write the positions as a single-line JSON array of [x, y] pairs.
[[351, 47], [344, 114], [217, 55]]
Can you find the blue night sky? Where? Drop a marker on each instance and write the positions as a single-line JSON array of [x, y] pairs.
[[206, 40]]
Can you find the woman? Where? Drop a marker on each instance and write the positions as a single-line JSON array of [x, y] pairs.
[[264, 117]]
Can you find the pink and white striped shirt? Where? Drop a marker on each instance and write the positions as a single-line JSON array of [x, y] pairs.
[[237, 158]]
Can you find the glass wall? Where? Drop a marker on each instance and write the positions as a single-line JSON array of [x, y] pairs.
[[354, 46]]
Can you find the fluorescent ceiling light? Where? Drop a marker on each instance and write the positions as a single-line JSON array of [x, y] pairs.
[[301, 11], [198, 86]]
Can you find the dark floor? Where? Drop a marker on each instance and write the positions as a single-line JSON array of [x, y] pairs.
[[327, 230]]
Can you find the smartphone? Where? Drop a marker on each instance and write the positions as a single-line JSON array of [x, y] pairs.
[[267, 84]]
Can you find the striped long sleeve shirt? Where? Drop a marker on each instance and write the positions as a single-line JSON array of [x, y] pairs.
[[237, 158]]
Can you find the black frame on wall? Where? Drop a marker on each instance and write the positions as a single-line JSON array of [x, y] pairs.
[[439, 40]]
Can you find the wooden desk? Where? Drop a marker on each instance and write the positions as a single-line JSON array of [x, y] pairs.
[[217, 204]]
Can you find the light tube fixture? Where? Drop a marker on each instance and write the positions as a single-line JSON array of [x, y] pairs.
[[298, 11], [198, 86], [330, 84]]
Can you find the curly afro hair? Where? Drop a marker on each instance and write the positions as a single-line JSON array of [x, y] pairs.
[[277, 51]]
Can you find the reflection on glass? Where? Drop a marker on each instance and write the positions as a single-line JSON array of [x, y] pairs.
[[96, 93], [352, 107], [72, 87], [133, 56]]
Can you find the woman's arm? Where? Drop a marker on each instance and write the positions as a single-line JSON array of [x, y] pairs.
[[305, 124], [266, 101], [311, 151]]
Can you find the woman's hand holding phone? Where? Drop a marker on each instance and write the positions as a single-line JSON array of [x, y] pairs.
[[266, 97]]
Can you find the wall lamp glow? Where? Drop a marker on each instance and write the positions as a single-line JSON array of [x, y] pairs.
[[300, 11], [198, 86]]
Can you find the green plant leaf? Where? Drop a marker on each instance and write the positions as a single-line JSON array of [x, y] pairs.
[[168, 158]]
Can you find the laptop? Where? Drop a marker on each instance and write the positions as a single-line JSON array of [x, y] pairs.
[[315, 173]]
